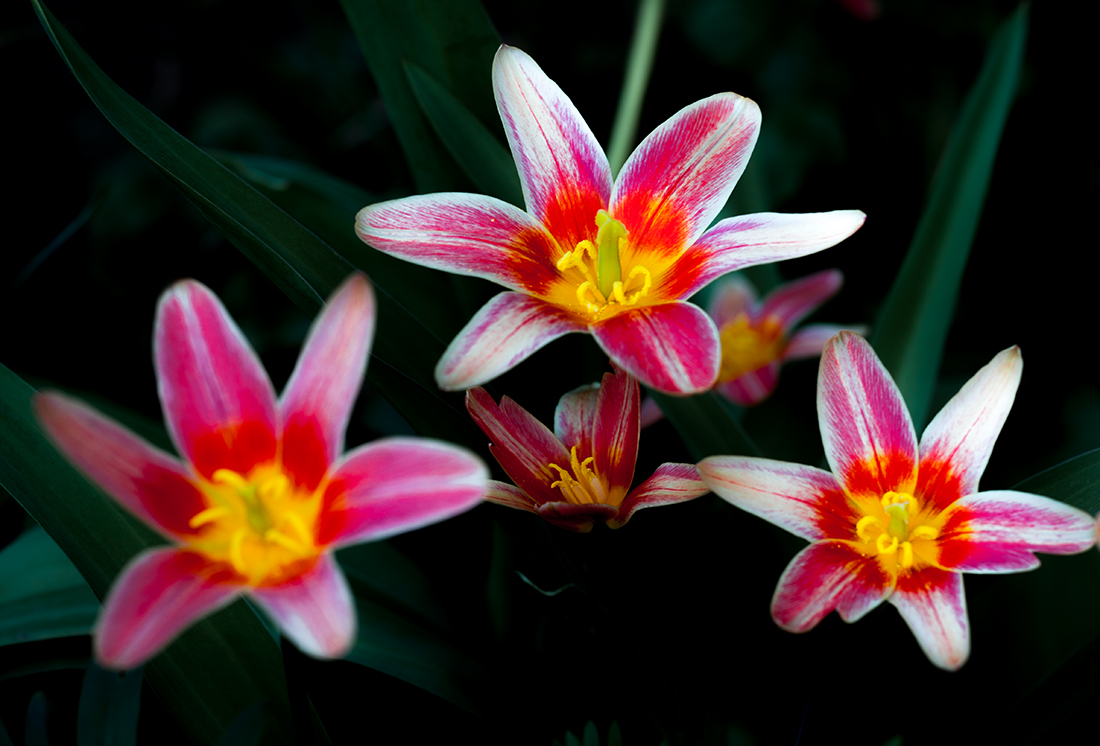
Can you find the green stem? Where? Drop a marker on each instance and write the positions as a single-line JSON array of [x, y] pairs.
[[643, 48]]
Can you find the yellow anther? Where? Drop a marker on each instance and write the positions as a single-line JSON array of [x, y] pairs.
[[230, 477], [207, 516], [886, 544], [277, 537], [895, 498], [924, 532], [299, 527], [906, 559], [274, 488], [575, 258], [863, 524], [236, 556], [597, 300]]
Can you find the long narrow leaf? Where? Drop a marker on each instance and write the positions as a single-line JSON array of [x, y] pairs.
[[705, 425], [1076, 481], [911, 329]]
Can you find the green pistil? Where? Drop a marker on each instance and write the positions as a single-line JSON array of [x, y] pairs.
[[899, 521], [608, 269]]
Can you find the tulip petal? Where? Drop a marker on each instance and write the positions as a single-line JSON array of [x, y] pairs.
[[671, 483], [750, 389], [994, 532], [824, 576], [732, 296], [219, 405], [616, 430], [395, 485], [315, 610], [157, 596], [149, 483], [794, 301], [806, 501], [810, 340], [522, 445], [765, 237], [868, 434], [575, 417], [677, 180], [933, 604], [469, 234], [956, 444], [510, 496], [671, 347], [579, 518], [506, 331], [562, 168]]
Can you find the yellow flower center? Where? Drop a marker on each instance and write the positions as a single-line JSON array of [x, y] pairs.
[[579, 483], [749, 346], [892, 533], [258, 523], [600, 265]]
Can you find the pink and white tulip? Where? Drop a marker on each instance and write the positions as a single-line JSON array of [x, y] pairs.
[[616, 259], [580, 473], [264, 493], [895, 521]]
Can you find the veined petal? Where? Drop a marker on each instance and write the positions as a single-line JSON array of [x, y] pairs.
[[218, 402], [810, 340], [148, 482], [794, 301], [468, 234], [617, 428], [765, 237], [158, 595], [956, 444], [751, 388], [731, 297], [933, 604], [672, 347], [395, 485], [999, 531], [510, 496], [563, 170], [671, 483], [676, 181], [315, 610], [579, 518], [806, 501], [524, 446], [506, 331], [318, 399], [865, 426], [574, 419], [824, 576]]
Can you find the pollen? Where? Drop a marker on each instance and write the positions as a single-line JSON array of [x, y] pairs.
[[890, 529], [749, 345]]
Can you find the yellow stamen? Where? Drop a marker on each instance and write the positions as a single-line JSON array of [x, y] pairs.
[[299, 527], [207, 516], [886, 544], [906, 559], [924, 532], [236, 556], [861, 527], [230, 477], [274, 488], [277, 537]]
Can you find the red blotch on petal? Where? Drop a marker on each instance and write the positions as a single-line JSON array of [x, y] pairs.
[[238, 447], [570, 215], [927, 580], [533, 260], [835, 516], [938, 484], [304, 453], [893, 471], [332, 517], [173, 501]]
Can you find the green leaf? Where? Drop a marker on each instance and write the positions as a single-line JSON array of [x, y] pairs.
[[911, 329], [706, 425], [109, 705], [485, 160], [1076, 481], [220, 665], [454, 42], [42, 595]]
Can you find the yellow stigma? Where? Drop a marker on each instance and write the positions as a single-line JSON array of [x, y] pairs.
[[259, 523], [600, 266], [889, 534], [749, 345]]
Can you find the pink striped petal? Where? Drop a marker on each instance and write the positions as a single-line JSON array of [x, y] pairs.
[[810, 340], [753, 387], [732, 296], [468, 234], [824, 576], [218, 402], [315, 610], [994, 532], [672, 347], [159, 594], [563, 170], [680, 176], [510, 496], [149, 483], [616, 429], [575, 417], [956, 444], [317, 402], [933, 604], [396, 485], [765, 237], [868, 434], [579, 518], [522, 445], [794, 301], [506, 331], [671, 483], [806, 501]]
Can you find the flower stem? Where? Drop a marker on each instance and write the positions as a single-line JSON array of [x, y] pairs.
[[643, 48]]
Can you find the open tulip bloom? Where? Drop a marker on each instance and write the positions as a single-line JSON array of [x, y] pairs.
[[616, 259], [581, 472], [893, 521], [756, 336], [264, 494]]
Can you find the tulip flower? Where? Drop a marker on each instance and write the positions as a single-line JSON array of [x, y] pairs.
[[614, 259], [263, 494], [580, 473], [895, 521]]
